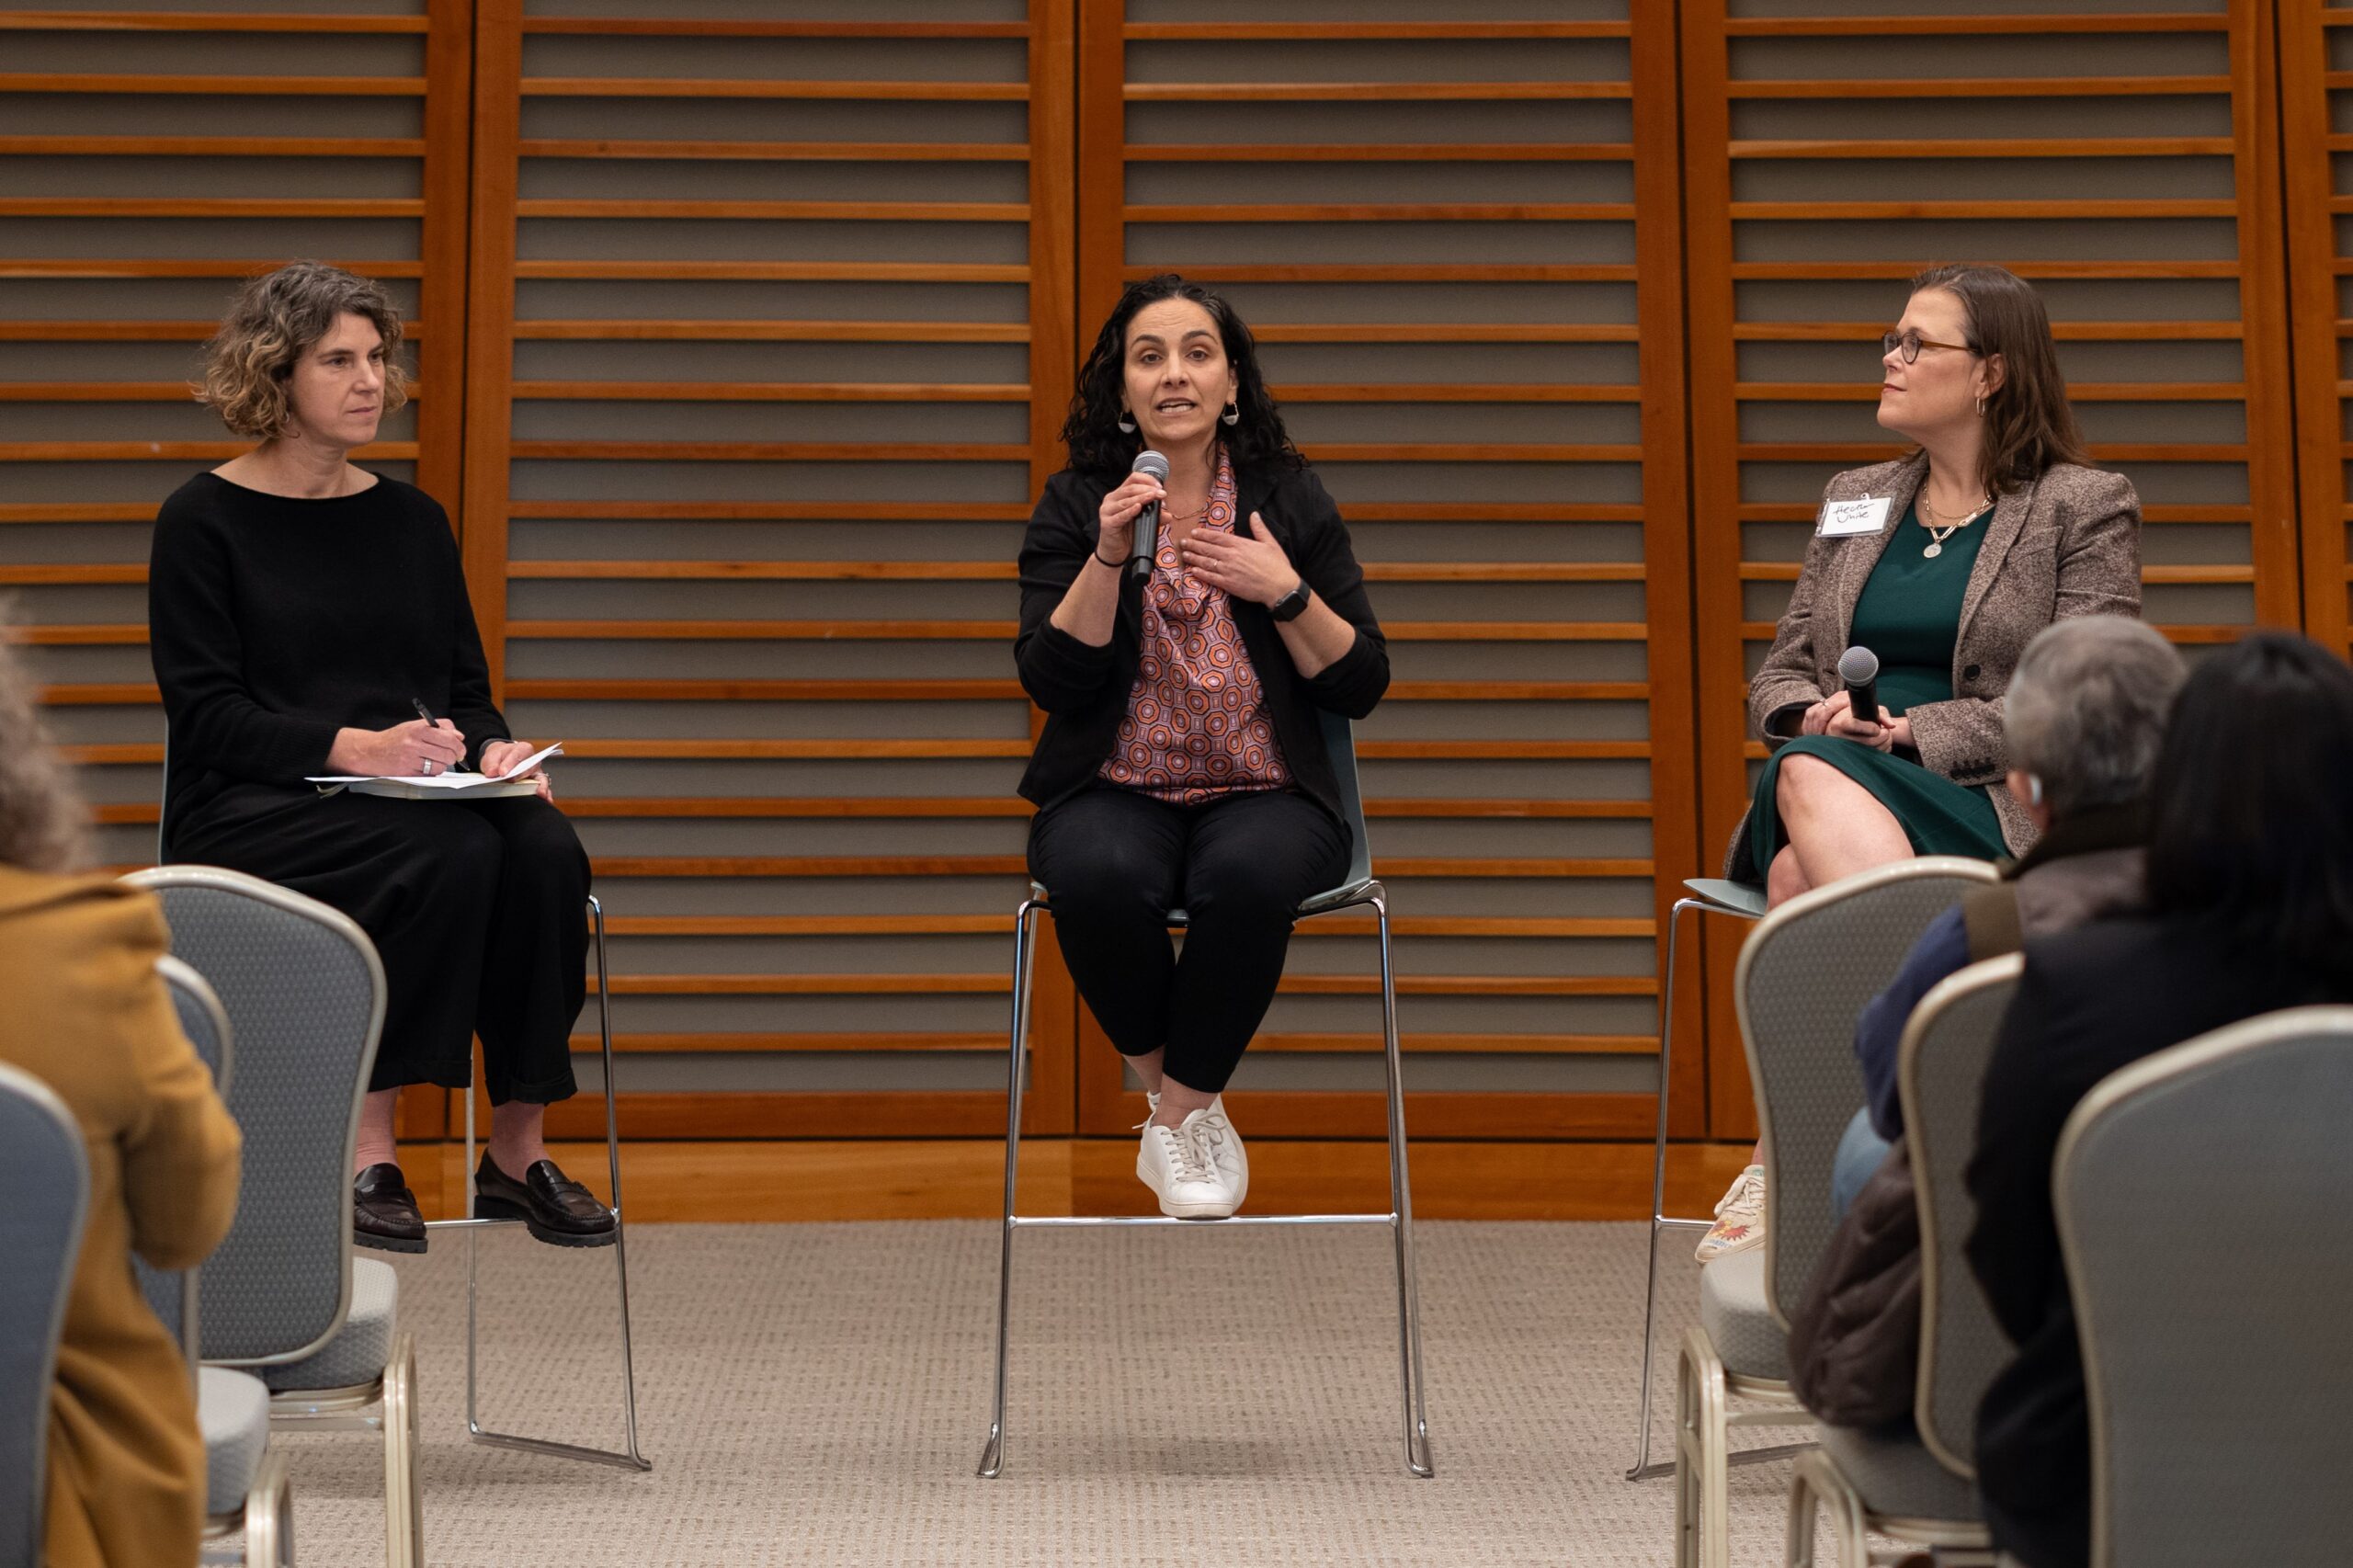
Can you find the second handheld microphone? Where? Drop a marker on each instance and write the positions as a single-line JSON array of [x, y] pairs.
[[1858, 667], [1146, 547]]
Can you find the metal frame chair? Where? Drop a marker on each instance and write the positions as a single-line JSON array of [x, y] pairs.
[[231, 1406], [1359, 889], [2208, 1300], [45, 1171], [1804, 975], [1739, 901], [629, 1456], [1920, 1489]]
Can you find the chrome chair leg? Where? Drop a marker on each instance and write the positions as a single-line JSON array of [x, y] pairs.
[[1642, 1468], [1024, 932], [1401, 1205], [629, 1457]]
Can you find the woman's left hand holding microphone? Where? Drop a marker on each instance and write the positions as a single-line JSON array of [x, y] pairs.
[[1834, 716]]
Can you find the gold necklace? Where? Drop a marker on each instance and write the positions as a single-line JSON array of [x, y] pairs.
[[1937, 536]]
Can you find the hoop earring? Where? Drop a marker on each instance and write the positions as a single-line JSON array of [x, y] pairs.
[[1981, 406], [1127, 425], [1232, 414]]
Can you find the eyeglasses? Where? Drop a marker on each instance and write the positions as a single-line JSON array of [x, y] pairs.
[[1910, 341]]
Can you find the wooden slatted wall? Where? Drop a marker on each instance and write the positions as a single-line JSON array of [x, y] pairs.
[[1456, 242], [148, 163], [2316, 116], [2123, 162], [770, 313]]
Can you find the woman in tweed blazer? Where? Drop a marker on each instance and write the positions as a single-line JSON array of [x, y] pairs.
[[1945, 563]]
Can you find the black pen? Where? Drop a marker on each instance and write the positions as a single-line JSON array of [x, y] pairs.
[[427, 714]]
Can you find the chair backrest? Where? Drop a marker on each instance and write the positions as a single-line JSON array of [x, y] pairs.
[[304, 992], [44, 1198], [171, 1292], [1940, 1076], [1805, 974], [2197, 1195], [1340, 745], [202, 1017]]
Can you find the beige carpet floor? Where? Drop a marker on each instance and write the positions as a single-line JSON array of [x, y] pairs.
[[818, 1394]]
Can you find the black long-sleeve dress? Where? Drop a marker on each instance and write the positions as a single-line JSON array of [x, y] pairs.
[[275, 621]]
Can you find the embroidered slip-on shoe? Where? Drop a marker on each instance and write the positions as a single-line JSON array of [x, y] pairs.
[[552, 1207], [383, 1211]]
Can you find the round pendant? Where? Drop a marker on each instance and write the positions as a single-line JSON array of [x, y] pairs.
[[1933, 551]]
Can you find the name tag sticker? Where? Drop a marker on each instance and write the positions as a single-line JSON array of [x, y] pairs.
[[1868, 515]]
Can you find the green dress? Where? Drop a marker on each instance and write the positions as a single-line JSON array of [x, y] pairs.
[[1910, 615]]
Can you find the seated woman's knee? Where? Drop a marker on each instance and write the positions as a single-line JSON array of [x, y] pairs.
[[540, 841], [1803, 779]]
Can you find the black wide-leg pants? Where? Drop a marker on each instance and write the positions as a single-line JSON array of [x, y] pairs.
[[1114, 862], [478, 909]]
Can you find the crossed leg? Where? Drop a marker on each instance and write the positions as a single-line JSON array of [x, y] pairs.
[[1835, 828]]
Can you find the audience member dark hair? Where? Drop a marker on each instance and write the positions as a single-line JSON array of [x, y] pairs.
[[2252, 830]]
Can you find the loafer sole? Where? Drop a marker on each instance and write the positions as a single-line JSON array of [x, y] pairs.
[[489, 1208], [381, 1242]]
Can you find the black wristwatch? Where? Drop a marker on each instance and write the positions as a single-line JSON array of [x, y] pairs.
[[1292, 604]]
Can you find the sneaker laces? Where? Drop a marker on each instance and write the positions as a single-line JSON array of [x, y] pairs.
[[1746, 1193], [1188, 1160]]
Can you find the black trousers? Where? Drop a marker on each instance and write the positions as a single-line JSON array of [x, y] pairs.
[[1114, 862], [478, 909]]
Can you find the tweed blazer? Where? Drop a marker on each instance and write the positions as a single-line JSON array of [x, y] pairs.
[[2067, 544]]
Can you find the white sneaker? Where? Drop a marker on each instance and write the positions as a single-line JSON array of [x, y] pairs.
[[1740, 1217], [1223, 1145], [1173, 1162]]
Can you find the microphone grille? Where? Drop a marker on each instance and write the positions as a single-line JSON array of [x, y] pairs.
[[1151, 462], [1858, 664]]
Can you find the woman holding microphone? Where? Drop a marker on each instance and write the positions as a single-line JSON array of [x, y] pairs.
[[1944, 564], [1182, 763]]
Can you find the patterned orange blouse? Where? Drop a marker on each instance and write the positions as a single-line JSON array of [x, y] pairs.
[[1196, 726]]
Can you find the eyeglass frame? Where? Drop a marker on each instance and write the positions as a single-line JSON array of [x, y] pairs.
[[1892, 341]]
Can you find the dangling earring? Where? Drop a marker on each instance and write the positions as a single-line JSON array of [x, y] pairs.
[[1128, 424], [1232, 414], [1980, 406], [2034, 789]]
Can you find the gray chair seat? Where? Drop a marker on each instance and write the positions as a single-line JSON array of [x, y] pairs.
[[233, 1413], [1739, 1323], [1741, 898], [1896, 1476], [360, 1349]]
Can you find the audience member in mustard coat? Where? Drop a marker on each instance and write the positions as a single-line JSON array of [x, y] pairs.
[[87, 1013]]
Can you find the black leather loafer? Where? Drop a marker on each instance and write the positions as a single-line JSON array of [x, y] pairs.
[[552, 1207], [383, 1211]]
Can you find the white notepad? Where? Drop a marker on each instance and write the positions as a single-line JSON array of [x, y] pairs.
[[442, 786]]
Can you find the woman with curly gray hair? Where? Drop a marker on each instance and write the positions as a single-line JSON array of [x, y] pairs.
[[308, 616], [89, 1016]]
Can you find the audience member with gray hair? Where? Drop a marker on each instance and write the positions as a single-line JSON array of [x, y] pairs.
[[2084, 717]]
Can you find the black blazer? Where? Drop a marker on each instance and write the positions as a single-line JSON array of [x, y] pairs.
[[2090, 1002], [1084, 690]]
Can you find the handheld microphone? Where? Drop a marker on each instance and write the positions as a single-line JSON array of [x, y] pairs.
[[1858, 667], [1147, 535]]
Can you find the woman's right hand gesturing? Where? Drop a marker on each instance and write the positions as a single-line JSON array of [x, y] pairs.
[[1118, 512], [415, 748]]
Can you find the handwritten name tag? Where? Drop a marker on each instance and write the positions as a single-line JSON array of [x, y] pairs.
[[1868, 515]]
